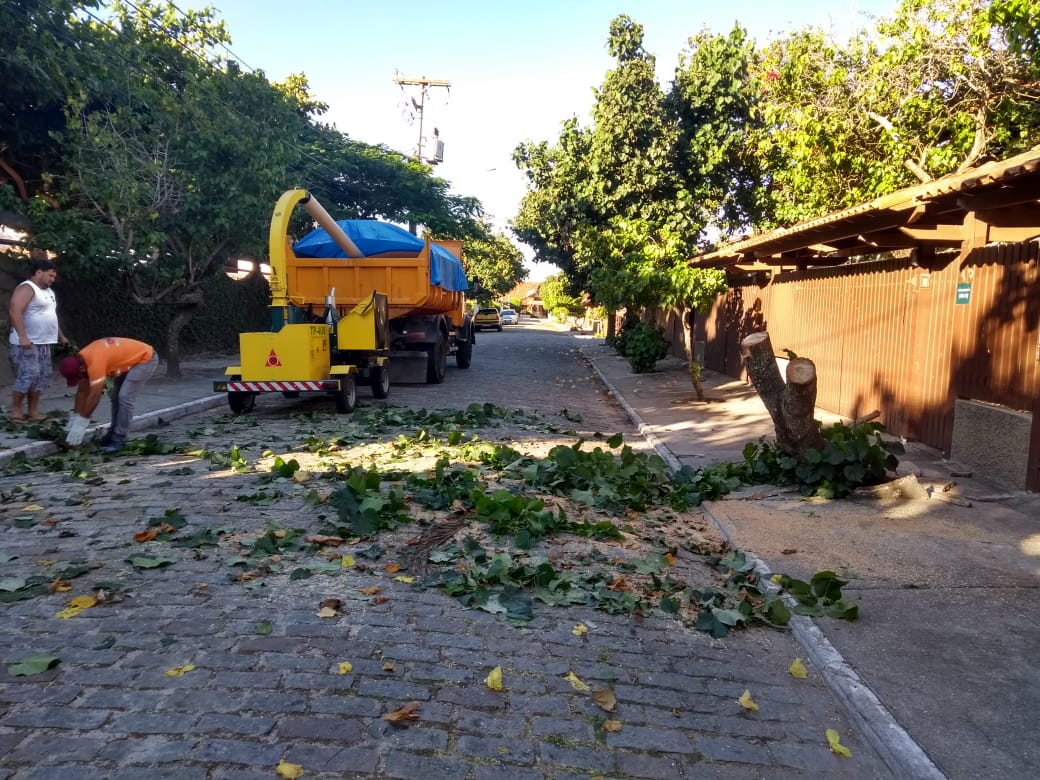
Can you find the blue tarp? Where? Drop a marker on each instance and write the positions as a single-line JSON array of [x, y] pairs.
[[374, 238]]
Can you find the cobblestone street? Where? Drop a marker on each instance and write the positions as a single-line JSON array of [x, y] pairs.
[[203, 658]]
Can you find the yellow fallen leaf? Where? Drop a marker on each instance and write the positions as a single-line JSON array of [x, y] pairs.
[[289, 771], [60, 586], [747, 702], [371, 590], [71, 612], [179, 671], [32, 508], [405, 579], [301, 476], [46, 562], [798, 669], [580, 629], [83, 602], [576, 682], [279, 533], [670, 557], [327, 612], [494, 679], [833, 740], [346, 562], [612, 726], [345, 667], [776, 579], [392, 568]]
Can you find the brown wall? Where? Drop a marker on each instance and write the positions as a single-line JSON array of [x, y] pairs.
[[890, 335]]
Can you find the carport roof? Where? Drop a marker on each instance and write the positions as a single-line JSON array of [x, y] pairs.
[[994, 202]]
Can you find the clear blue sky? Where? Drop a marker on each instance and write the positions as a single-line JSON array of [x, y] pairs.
[[517, 69]]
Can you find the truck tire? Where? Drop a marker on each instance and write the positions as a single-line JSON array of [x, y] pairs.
[[346, 396], [437, 360], [380, 380], [240, 402], [463, 353]]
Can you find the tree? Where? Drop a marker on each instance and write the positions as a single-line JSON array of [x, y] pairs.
[[715, 99], [495, 264], [933, 90], [168, 157]]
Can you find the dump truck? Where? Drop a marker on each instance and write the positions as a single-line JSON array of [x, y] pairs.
[[354, 302]]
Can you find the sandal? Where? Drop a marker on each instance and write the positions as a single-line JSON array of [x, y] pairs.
[[40, 419], [16, 420]]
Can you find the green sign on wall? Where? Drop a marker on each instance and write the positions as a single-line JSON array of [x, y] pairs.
[[963, 293]]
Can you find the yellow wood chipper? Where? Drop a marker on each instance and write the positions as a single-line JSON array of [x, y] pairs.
[[369, 307]]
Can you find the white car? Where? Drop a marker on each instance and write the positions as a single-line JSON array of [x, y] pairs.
[[510, 317]]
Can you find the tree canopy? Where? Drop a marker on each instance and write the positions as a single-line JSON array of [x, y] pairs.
[[750, 137], [129, 137]]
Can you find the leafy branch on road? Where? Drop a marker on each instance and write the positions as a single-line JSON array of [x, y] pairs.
[[500, 526]]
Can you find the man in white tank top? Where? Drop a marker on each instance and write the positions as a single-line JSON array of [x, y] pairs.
[[34, 330]]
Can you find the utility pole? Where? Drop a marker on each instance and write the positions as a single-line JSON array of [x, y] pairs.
[[424, 84]]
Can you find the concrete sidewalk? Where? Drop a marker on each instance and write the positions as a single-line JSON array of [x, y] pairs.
[[941, 668]]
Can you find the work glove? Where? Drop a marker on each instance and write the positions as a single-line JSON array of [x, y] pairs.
[[76, 429]]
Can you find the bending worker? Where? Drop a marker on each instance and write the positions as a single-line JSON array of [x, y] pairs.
[[130, 363]]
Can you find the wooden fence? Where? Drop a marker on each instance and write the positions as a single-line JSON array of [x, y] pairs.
[[901, 338]]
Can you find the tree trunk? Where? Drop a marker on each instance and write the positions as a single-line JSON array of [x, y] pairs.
[[611, 324], [791, 405], [187, 305], [688, 340]]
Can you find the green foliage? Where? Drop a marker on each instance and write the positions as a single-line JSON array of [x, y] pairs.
[[495, 264], [644, 345], [364, 509], [821, 596], [854, 455], [602, 479]]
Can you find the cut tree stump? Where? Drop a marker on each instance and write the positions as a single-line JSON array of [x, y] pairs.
[[791, 405]]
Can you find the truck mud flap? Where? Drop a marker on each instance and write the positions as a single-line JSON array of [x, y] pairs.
[[408, 368]]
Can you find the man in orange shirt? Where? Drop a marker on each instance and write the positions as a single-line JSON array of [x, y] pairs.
[[130, 362]]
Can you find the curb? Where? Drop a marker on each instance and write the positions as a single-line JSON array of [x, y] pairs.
[[897, 749], [154, 419]]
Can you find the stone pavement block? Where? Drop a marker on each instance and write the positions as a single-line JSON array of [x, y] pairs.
[[478, 722], [414, 737], [653, 767], [540, 705], [234, 751], [339, 704], [410, 766], [148, 750], [60, 772], [68, 747], [590, 759], [146, 723], [340, 730], [733, 749], [326, 758], [438, 673], [496, 749], [48, 717], [650, 738], [507, 772], [235, 724], [157, 773], [570, 729], [812, 757], [399, 690]]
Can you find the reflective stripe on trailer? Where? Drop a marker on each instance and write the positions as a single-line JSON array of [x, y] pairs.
[[281, 387]]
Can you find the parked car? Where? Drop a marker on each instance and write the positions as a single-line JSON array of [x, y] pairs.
[[487, 318], [510, 317]]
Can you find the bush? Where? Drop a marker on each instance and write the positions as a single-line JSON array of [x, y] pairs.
[[644, 345]]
